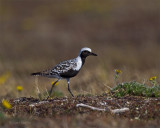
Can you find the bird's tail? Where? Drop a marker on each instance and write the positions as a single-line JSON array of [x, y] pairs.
[[37, 74]]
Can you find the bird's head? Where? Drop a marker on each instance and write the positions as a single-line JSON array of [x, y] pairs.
[[86, 52]]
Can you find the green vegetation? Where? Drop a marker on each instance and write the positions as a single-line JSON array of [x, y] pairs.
[[2, 117], [57, 93], [136, 89]]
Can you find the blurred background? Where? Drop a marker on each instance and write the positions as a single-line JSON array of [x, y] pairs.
[[36, 35]]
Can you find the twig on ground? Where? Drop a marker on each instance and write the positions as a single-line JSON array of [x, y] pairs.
[[119, 110], [91, 107], [39, 103], [115, 111]]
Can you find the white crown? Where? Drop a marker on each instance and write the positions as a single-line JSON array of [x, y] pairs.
[[85, 49]]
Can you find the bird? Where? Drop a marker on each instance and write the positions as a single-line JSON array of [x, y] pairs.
[[66, 69]]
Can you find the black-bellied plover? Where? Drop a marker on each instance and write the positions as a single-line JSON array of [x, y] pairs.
[[66, 69]]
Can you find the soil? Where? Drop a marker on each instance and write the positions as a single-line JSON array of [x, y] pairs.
[[63, 111], [139, 107]]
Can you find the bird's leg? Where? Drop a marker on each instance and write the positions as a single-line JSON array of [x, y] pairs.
[[69, 88], [50, 92]]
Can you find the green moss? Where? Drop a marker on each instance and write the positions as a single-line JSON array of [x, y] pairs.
[[136, 89]]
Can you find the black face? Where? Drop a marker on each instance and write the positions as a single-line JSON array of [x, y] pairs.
[[84, 54]]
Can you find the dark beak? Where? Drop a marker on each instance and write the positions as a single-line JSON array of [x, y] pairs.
[[93, 54]]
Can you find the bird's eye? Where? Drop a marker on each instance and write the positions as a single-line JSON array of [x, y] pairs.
[[86, 52]]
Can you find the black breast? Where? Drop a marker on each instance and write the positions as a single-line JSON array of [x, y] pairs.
[[69, 73]]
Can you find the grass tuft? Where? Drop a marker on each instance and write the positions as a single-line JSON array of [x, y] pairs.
[[136, 89]]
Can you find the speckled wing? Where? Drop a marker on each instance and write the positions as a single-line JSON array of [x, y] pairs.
[[64, 69], [61, 69]]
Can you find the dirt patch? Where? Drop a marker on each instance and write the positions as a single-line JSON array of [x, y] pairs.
[[139, 107], [63, 112]]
